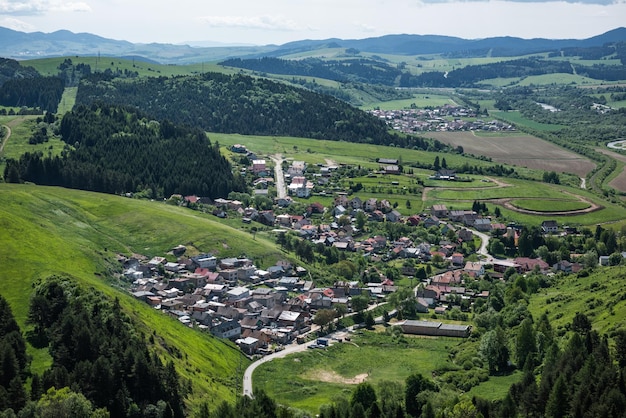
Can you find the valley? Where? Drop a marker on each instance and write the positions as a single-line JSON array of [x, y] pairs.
[[442, 232]]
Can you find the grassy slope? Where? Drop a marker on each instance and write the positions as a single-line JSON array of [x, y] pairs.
[[601, 296], [47, 230]]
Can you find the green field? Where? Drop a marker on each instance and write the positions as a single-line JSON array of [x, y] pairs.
[[297, 379], [516, 118], [547, 206], [418, 100]]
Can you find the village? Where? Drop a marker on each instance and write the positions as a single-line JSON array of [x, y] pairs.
[[262, 310], [443, 118]]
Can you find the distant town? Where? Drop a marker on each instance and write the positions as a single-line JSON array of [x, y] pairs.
[[442, 119]]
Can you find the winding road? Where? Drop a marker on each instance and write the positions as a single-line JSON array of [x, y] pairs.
[[295, 348]]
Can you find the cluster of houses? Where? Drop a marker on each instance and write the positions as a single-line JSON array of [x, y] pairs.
[[232, 298], [444, 118]]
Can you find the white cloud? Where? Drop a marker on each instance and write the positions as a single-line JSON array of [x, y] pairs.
[[16, 24], [37, 7], [251, 22], [364, 27]]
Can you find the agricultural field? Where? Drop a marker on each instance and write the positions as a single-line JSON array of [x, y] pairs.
[[618, 182], [548, 206], [514, 117], [521, 150]]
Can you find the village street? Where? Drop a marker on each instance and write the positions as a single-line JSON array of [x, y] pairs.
[[279, 177]]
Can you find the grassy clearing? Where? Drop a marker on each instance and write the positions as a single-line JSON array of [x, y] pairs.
[[21, 130], [496, 387], [372, 354], [318, 151], [68, 100], [547, 206], [50, 66]]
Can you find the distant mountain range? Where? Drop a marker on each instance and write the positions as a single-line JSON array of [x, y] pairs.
[[22, 45]]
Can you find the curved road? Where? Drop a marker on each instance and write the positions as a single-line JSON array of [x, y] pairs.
[[294, 348], [617, 144]]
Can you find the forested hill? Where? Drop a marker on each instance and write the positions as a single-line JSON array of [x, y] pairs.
[[240, 104], [114, 149]]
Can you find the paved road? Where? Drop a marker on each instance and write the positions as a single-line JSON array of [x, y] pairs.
[[279, 177], [617, 144]]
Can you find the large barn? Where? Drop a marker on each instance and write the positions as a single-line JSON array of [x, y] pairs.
[[437, 329]]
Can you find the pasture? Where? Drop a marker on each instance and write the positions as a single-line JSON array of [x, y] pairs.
[[520, 150]]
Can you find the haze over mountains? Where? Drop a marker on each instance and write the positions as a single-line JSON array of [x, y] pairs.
[[22, 45]]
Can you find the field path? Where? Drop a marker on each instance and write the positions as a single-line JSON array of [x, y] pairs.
[[6, 138]]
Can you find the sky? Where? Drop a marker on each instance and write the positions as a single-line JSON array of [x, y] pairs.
[[263, 22]]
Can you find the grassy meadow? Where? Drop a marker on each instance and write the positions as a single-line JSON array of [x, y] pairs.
[[309, 379], [601, 297], [47, 230]]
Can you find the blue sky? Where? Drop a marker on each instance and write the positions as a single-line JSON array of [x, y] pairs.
[[278, 21]]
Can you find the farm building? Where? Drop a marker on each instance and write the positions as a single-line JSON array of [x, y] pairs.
[[436, 329]]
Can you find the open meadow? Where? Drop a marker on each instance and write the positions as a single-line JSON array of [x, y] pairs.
[[520, 150], [309, 379]]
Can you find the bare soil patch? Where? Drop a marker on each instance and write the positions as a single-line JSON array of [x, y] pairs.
[[523, 150], [333, 377]]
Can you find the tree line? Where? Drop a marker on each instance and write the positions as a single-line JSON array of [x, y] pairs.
[[114, 149], [348, 70], [38, 92]]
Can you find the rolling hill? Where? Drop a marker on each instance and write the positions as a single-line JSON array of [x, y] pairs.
[[49, 231], [22, 45]]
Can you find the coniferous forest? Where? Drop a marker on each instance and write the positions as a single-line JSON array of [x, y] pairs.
[[241, 104], [104, 365], [114, 149]]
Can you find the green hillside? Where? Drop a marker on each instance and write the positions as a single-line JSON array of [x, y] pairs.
[[46, 231]]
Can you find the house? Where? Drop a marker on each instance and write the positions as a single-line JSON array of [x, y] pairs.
[[259, 167], [249, 345], [445, 174], [465, 235], [388, 161], [440, 211], [371, 205], [393, 216], [392, 169], [227, 329], [528, 264], [549, 227], [474, 269], [482, 224], [457, 259], [564, 266], [205, 261], [603, 260], [431, 221]]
